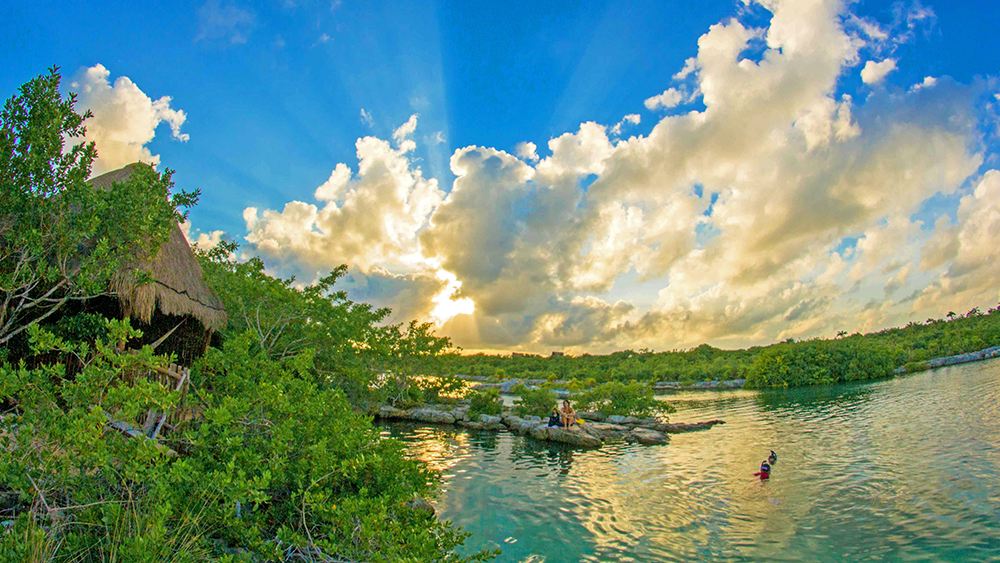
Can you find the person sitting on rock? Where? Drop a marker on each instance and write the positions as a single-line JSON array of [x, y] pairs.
[[566, 414], [554, 418]]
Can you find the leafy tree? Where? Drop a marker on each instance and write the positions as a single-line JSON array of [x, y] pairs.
[[272, 466], [486, 401], [351, 349], [625, 399], [62, 239], [535, 402]]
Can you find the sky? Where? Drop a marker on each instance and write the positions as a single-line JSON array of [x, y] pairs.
[[580, 177]]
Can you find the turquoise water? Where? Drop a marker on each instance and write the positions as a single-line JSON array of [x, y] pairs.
[[900, 470]]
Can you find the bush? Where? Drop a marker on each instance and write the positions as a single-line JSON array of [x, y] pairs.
[[486, 401], [820, 362], [442, 389], [535, 402], [273, 465], [624, 399]]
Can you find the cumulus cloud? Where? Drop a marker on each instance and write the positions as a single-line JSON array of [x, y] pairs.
[[125, 118], [630, 119], [405, 130], [774, 211], [365, 219], [874, 72], [671, 97], [527, 151], [205, 241]]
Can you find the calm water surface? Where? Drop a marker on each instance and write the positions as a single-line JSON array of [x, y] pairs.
[[899, 470]]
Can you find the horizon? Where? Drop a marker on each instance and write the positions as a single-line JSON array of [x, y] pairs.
[[588, 180]]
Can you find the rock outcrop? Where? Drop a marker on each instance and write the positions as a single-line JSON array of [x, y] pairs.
[[590, 434]]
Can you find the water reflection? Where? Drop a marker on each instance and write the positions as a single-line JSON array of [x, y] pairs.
[[903, 469]]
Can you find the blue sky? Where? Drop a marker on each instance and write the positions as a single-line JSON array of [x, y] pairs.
[[596, 245]]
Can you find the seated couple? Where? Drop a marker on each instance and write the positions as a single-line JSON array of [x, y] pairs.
[[564, 416]]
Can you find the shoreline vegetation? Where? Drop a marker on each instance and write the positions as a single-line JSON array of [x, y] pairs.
[[790, 363], [561, 386]]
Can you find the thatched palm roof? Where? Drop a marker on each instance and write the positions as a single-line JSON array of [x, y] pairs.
[[179, 287]]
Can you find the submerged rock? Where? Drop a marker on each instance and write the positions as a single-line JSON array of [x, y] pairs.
[[680, 427], [647, 437]]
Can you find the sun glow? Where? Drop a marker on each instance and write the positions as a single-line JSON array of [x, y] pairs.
[[445, 307]]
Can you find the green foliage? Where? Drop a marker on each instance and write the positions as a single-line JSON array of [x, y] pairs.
[[61, 239], [535, 402], [369, 361], [486, 401], [820, 362], [625, 399], [274, 465], [864, 356]]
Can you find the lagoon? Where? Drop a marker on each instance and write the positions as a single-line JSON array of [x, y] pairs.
[[902, 469]]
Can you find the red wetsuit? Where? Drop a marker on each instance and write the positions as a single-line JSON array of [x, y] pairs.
[[765, 471]]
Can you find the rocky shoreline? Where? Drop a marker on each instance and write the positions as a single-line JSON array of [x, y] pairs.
[[976, 356], [596, 430]]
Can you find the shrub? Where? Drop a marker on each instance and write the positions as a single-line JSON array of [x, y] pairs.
[[625, 399], [486, 401], [274, 465], [535, 402]]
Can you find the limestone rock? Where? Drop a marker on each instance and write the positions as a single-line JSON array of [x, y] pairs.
[[604, 431], [575, 436], [619, 419], [430, 415], [392, 413], [680, 427], [591, 415], [647, 437], [540, 432]]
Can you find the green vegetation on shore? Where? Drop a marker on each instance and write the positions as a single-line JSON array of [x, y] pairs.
[[271, 455], [809, 362]]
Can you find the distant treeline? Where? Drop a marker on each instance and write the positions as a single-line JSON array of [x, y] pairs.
[[784, 364]]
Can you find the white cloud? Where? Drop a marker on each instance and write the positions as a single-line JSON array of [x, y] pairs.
[[690, 66], [229, 21], [366, 118], [671, 97], [775, 211], [630, 119], [368, 220], [928, 82], [401, 134], [205, 241], [324, 38], [125, 118], [527, 151], [875, 72]]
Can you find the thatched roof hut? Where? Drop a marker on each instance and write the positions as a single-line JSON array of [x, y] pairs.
[[177, 295]]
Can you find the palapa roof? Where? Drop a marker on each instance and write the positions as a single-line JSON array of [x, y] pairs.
[[179, 287]]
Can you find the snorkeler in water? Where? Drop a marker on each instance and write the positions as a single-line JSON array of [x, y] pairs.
[[765, 471], [773, 458]]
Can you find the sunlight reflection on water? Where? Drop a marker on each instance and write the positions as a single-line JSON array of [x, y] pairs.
[[905, 469]]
